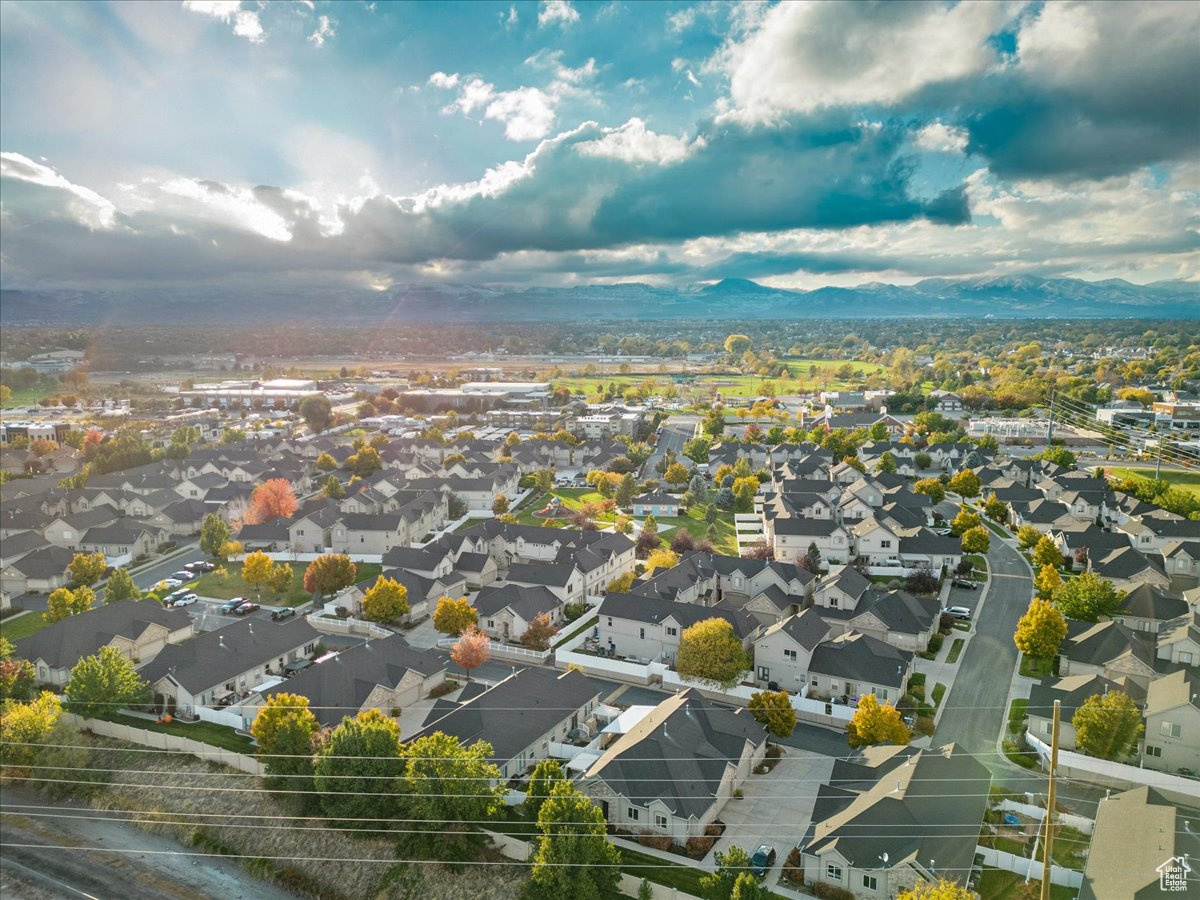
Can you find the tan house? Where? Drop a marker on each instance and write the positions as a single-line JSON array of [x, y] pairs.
[[1172, 741]]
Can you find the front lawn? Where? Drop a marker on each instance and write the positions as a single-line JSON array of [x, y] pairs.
[[996, 884], [22, 626], [206, 732], [1033, 667], [233, 585], [1016, 715], [726, 539], [979, 562], [955, 650]]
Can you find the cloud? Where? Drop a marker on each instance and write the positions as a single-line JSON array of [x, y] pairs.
[[808, 56], [557, 11], [444, 81], [81, 204], [246, 22], [633, 142], [941, 138], [325, 30]]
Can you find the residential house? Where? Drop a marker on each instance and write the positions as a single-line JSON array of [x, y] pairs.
[[782, 653], [852, 665], [656, 503], [520, 716], [563, 579], [641, 627], [1182, 558], [1126, 568], [1149, 608], [673, 772], [230, 662], [505, 611], [1172, 739], [791, 536], [122, 542], [1071, 692], [140, 630], [37, 572], [1179, 642], [1109, 649]]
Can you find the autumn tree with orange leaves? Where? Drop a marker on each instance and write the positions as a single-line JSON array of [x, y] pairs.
[[271, 499], [471, 650]]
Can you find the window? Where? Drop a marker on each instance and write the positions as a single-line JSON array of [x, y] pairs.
[[642, 633], [832, 872], [764, 674], [1150, 751], [1185, 657], [672, 631], [1047, 728], [309, 648], [1170, 729], [610, 621], [789, 655], [660, 821], [870, 883], [815, 681], [632, 814], [885, 544]]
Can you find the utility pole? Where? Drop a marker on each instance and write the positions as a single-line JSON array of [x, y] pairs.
[[1050, 426], [1048, 843], [1158, 465]]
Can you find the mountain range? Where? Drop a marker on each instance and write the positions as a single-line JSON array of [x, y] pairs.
[[1024, 296]]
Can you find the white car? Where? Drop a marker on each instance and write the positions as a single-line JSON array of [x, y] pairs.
[[186, 600], [959, 612], [168, 584]]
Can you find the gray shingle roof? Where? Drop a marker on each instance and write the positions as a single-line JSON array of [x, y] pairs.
[[860, 657], [526, 602], [65, 642], [636, 608]]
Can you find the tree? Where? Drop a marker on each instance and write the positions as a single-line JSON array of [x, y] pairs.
[[329, 573], [747, 887], [965, 483], [1028, 536], [996, 509], [573, 857], [1047, 581], [976, 540], [385, 601], [964, 521], [876, 723], [543, 479], [66, 602], [285, 729], [87, 568], [500, 505], [363, 463], [358, 769], [774, 709], [1107, 726], [744, 490], [230, 549], [676, 474], [810, 561], [931, 487], [887, 463], [1087, 597], [453, 617], [737, 344], [333, 489], [546, 774], [1059, 455], [731, 864], [661, 559], [121, 587], [317, 412], [104, 683], [23, 726], [213, 535], [450, 788], [713, 423], [537, 636], [326, 463], [1046, 553], [923, 461], [943, 889], [921, 581], [625, 491], [280, 578], [1040, 630], [456, 508], [697, 450], [471, 650], [710, 651], [256, 570], [620, 584], [16, 675], [272, 499]]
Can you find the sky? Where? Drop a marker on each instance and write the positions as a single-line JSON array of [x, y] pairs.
[[368, 144]]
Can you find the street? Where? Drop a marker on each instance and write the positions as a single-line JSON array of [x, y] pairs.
[[676, 431]]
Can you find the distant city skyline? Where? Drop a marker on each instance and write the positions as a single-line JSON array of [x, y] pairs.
[[361, 144]]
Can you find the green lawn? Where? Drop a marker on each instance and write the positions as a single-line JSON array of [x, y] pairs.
[[1016, 715], [232, 585], [939, 691], [22, 626], [681, 877], [1187, 481], [979, 562], [1032, 667], [726, 540], [205, 732], [996, 884], [29, 396], [955, 650]]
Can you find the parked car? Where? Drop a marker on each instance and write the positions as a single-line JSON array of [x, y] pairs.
[[230, 605], [186, 600], [200, 565], [184, 576], [762, 860], [245, 609], [167, 584], [959, 612], [280, 614], [965, 584]]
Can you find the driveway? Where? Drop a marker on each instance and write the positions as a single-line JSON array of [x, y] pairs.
[[776, 808]]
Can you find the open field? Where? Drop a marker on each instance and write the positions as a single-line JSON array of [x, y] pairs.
[[233, 585], [1187, 481], [28, 396]]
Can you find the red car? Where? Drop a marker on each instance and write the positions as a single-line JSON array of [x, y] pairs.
[[245, 609]]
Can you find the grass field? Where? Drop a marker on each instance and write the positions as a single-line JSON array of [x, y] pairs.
[[27, 396], [1187, 481], [205, 732], [726, 540], [233, 585], [23, 626]]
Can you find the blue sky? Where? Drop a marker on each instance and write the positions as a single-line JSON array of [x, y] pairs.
[[369, 143]]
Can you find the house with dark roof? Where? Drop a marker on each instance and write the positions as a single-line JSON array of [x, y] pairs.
[[1072, 692], [656, 503], [1179, 641], [1109, 649], [782, 653], [1126, 568], [139, 629], [123, 541], [520, 716], [896, 815], [39, 571], [633, 626], [229, 663], [791, 536], [1150, 608], [1172, 739], [894, 617], [505, 611], [852, 664], [384, 674], [673, 772], [562, 579], [1182, 558]]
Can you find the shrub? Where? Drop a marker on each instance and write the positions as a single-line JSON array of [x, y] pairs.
[[935, 643], [657, 841], [924, 725], [698, 847], [826, 891], [793, 868]]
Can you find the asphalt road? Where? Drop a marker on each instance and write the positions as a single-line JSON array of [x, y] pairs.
[[152, 575], [676, 431]]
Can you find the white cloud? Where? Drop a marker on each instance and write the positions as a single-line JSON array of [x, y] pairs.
[[246, 22], [513, 18], [443, 80], [326, 28], [633, 142], [682, 19], [691, 77], [85, 205], [805, 56], [940, 137], [560, 11], [527, 113], [234, 206]]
